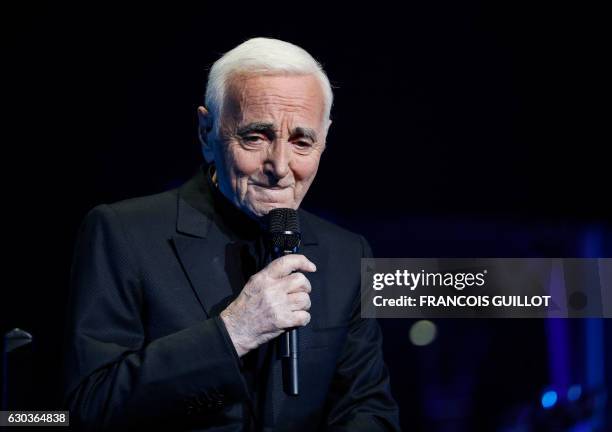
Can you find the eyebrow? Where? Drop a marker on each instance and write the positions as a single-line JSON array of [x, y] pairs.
[[268, 130], [304, 132], [258, 127]]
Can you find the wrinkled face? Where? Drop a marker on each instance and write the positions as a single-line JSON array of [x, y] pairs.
[[271, 137]]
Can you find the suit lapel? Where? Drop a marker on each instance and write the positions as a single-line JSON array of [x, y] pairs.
[[200, 246], [203, 265]]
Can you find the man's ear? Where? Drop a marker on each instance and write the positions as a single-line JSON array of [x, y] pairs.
[[204, 127]]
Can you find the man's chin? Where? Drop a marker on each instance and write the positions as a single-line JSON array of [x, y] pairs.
[[262, 209]]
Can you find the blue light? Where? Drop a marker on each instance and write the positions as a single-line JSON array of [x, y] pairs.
[[574, 392], [549, 399]]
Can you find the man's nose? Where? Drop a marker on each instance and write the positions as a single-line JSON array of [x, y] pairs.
[[277, 160]]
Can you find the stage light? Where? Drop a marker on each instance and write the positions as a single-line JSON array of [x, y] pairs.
[[422, 332], [574, 392], [549, 399]]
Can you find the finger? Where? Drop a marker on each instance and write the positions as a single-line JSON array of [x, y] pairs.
[[300, 318], [299, 301], [288, 264], [296, 282]]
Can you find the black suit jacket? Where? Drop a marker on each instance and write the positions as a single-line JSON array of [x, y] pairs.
[[146, 346]]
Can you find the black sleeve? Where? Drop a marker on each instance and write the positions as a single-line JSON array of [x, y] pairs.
[[360, 396], [113, 376]]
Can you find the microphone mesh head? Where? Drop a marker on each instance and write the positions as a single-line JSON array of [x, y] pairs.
[[284, 228], [283, 219]]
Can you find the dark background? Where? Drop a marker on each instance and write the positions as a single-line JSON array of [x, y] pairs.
[[460, 129]]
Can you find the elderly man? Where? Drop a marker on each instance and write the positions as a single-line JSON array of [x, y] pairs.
[[176, 304]]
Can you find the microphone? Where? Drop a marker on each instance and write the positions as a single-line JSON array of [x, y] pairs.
[[284, 236]]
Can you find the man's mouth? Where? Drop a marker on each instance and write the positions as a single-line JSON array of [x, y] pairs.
[[270, 187]]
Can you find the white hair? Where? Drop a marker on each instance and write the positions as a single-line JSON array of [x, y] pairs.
[[262, 56]]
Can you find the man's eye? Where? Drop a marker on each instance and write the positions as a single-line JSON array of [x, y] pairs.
[[303, 144], [252, 138]]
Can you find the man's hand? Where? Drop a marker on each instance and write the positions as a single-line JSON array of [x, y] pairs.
[[273, 300]]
